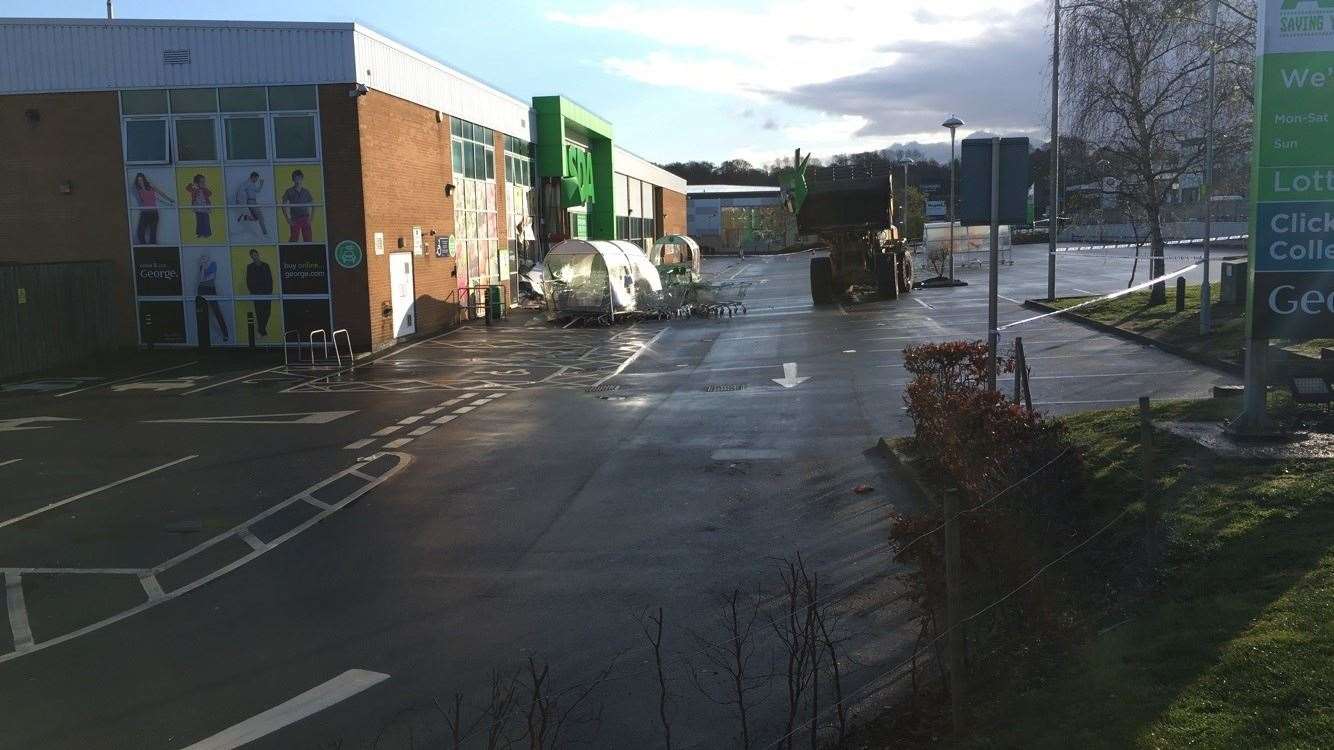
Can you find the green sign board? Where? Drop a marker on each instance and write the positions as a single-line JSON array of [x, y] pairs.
[[348, 254], [577, 185], [1292, 247]]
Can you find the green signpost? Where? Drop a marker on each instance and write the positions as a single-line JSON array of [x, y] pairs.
[[1292, 222]]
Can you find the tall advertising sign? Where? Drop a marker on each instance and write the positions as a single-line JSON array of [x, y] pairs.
[[1292, 252]]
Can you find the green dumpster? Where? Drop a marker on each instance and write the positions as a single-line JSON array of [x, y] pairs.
[[494, 303]]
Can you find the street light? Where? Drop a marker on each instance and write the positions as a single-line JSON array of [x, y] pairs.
[[954, 123], [906, 162], [1206, 313], [1054, 201]]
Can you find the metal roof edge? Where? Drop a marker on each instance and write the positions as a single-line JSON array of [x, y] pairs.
[[407, 49], [170, 22]]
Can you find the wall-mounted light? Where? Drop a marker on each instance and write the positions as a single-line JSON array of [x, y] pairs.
[[449, 189], [400, 243], [359, 90]]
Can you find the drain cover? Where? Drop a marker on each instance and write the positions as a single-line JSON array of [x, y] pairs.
[[723, 388], [603, 388]]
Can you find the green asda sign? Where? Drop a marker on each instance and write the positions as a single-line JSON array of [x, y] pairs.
[[577, 186], [1292, 246]]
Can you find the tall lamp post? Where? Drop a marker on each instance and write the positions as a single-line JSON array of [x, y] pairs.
[[1054, 201], [906, 162], [1206, 313], [954, 123]]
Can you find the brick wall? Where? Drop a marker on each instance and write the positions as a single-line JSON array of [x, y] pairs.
[[344, 209], [75, 138], [673, 212], [405, 165]]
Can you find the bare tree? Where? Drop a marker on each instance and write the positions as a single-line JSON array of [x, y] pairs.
[[730, 662], [1136, 85]]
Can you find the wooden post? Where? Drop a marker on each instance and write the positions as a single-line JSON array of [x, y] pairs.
[[1021, 386], [953, 608], [1181, 294]]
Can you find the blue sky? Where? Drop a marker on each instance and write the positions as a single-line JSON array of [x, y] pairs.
[[684, 79]]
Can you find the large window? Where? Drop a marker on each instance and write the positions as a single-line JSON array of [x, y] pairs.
[[473, 153], [225, 196], [520, 201]]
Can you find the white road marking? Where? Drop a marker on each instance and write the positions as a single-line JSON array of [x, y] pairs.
[[790, 379], [1009, 299], [433, 410], [1084, 291], [359, 444], [126, 380], [464, 409], [249, 537], [14, 425], [450, 402], [18, 612], [169, 384], [387, 431], [422, 430], [94, 491], [410, 420], [10, 461], [232, 380], [496, 395], [631, 359], [151, 586], [399, 443], [302, 417], [444, 420], [288, 712], [467, 396], [481, 402], [922, 302]]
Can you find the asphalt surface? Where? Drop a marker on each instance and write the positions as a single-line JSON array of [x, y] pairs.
[[477, 498]]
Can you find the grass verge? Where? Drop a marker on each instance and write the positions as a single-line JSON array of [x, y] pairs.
[[1163, 323], [1228, 642]]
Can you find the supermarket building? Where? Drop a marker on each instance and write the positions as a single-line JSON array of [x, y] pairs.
[[295, 176]]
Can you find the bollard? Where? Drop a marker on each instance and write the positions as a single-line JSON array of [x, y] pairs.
[[250, 329], [202, 337], [150, 335], [1181, 294]]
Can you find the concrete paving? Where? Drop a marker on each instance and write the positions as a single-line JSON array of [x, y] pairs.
[[186, 550]]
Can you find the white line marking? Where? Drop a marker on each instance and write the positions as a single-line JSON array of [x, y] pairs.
[[361, 475], [399, 443], [1009, 299], [359, 444], [126, 380], [450, 402], [387, 431], [632, 358], [921, 302], [21, 423], [1084, 291], [404, 460], [481, 402], [411, 419], [433, 410], [10, 461], [444, 420], [466, 396], [302, 417], [496, 395], [94, 491], [464, 409], [309, 703], [151, 586], [18, 612], [422, 430], [233, 380], [249, 537]]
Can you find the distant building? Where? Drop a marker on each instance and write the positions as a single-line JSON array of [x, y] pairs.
[[729, 217]]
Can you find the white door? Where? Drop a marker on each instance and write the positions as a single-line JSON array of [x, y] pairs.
[[404, 296]]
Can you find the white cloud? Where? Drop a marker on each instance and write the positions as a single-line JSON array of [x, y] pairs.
[[786, 44]]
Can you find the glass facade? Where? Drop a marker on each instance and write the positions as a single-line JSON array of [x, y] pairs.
[[473, 154], [520, 202], [225, 195]]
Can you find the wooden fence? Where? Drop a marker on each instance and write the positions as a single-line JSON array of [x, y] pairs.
[[54, 313]]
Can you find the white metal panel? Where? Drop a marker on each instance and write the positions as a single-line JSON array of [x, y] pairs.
[[646, 201], [629, 164], [395, 69], [621, 193], [42, 55]]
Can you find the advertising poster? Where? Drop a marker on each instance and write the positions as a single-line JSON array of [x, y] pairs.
[[157, 271], [306, 315], [202, 205], [268, 317], [300, 192], [219, 314], [252, 215], [206, 271], [1292, 256], [255, 271], [152, 200], [162, 323], [305, 269]]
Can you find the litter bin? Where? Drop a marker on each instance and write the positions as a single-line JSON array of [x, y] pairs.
[[1233, 282], [494, 302]]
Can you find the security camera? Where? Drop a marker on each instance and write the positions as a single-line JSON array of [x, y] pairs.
[[358, 90]]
